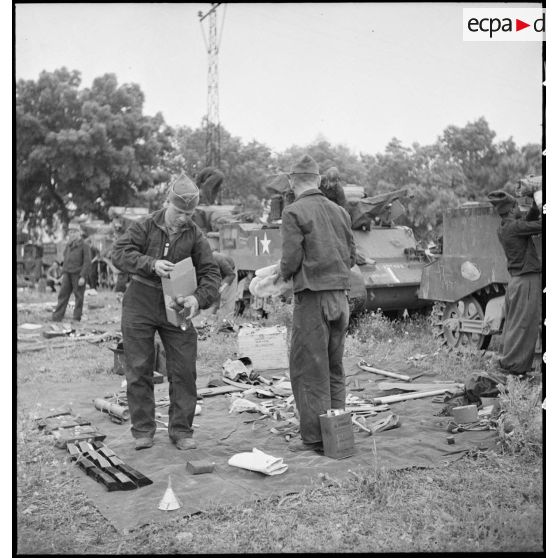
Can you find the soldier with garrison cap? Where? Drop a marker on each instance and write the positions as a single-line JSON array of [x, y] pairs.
[[523, 301], [331, 187], [318, 252], [148, 251]]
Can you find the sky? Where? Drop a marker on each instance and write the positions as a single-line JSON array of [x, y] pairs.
[[356, 74]]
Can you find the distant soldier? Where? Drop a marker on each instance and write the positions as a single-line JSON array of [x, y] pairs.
[[209, 181], [331, 187], [75, 271], [54, 276], [523, 301]]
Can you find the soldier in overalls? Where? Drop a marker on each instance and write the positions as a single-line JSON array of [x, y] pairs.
[[148, 251]]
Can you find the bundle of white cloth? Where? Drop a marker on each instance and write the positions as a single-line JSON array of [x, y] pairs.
[[259, 461], [263, 284]]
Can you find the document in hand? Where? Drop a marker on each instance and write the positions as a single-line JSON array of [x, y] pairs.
[[181, 282], [259, 461]]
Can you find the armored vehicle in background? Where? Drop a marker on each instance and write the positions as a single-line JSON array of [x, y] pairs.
[[467, 283], [389, 261], [102, 236], [34, 259]]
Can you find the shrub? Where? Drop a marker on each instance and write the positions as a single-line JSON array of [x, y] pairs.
[[520, 425]]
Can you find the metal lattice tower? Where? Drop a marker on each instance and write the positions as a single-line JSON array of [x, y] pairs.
[[212, 125]]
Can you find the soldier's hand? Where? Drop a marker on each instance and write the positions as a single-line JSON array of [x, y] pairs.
[[222, 288], [190, 303], [81, 282], [163, 268]]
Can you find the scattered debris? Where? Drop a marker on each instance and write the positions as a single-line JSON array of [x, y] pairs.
[[235, 369], [387, 423]]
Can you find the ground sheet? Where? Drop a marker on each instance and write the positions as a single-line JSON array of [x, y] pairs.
[[420, 441]]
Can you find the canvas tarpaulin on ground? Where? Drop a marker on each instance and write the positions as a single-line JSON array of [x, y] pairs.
[[420, 441]]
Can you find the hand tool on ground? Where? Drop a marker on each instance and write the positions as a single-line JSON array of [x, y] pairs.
[[363, 365], [404, 397]]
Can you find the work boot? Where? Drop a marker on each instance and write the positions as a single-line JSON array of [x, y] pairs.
[[299, 445], [143, 443], [186, 444]]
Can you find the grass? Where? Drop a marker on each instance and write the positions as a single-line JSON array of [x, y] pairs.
[[483, 502]]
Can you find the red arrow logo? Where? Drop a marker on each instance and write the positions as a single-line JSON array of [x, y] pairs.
[[519, 25]]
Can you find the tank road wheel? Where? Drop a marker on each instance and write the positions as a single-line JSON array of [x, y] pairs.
[[446, 325]]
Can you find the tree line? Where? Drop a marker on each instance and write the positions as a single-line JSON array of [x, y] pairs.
[[96, 146]]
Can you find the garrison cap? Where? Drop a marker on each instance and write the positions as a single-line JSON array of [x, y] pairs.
[[306, 165], [502, 201], [332, 174], [184, 194]]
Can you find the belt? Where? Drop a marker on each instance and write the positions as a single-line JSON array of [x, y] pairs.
[[148, 282]]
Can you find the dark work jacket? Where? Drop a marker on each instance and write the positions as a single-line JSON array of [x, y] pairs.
[[318, 249], [515, 235], [335, 193], [226, 267], [77, 258], [145, 242]]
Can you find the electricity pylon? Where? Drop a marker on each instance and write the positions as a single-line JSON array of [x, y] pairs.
[[212, 126]]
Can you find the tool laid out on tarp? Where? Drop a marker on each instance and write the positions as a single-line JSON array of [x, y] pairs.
[[483, 424], [68, 428], [118, 413], [169, 501], [103, 465], [58, 330], [363, 365]]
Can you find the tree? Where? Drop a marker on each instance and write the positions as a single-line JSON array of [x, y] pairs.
[[91, 143], [326, 155], [245, 166]]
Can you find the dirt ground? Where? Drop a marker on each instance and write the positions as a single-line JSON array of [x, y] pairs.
[[486, 501]]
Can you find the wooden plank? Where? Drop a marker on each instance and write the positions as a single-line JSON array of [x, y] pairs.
[[406, 396], [385, 386], [238, 384], [67, 343], [363, 366], [218, 390]]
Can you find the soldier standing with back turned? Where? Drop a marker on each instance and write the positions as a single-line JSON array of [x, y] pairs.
[[318, 252]]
